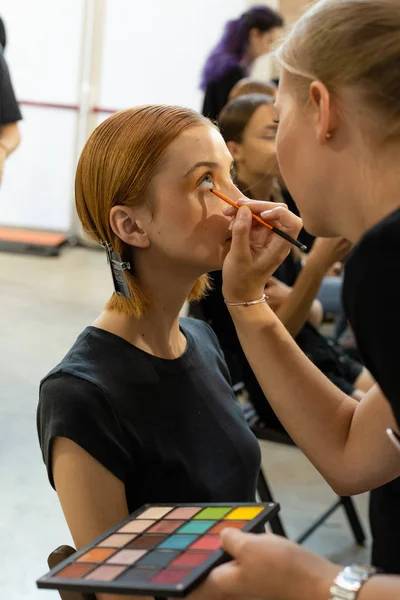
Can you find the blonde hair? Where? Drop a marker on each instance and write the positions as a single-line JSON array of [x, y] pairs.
[[116, 167], [247, 85], [354, 44]]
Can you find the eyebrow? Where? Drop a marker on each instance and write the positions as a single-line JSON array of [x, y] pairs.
[[203, 163]]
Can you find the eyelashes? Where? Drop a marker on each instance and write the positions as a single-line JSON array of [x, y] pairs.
[[207, 182]]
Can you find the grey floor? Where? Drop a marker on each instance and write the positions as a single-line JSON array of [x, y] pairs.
[[44, 304]]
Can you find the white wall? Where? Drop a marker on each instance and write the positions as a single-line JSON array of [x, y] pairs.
[[151, 51]]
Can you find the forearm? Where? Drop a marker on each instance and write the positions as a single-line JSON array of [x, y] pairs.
[[316, 414], [9, 137], [294, 312]]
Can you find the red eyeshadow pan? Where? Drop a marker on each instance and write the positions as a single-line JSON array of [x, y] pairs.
[[224, 524], [207, 542], [169, 576], [191, 559]]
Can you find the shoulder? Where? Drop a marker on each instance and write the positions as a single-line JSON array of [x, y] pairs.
[[375, 258], [200, 331]]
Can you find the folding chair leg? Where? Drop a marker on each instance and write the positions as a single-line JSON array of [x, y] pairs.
[[353, 518], [266, 496]]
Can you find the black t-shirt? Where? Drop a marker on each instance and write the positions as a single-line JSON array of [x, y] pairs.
[[217, 92], [9, 110], [171, 430], [371, 295]]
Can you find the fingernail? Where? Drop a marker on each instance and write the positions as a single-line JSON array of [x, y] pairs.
[[244, 213], [230, 226]]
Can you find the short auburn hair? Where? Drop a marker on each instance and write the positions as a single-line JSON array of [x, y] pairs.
[[117, 164]]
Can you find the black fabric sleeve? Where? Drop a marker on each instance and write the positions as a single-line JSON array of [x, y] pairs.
[[9, 109], [371, 296], [76, 409], [217, 92]]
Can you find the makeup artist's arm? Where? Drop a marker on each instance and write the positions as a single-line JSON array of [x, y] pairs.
[[295, 310], [345, 440], [92, 498]]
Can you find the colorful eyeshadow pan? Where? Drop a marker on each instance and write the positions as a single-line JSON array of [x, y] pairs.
[[147, 541], [158, 558], [158, 551], [170, 576], [207, 542], [75, 571], [96, 555], [178, 542], [166, 526], [156, 512], [224, 524], [196, 527], [245, 513], [218, 512], [117, 540], [105, 573], [190, 559], [126, 557], [136, 526], [184, 512]]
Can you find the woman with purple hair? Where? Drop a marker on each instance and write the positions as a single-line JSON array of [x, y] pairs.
[[244, 39]]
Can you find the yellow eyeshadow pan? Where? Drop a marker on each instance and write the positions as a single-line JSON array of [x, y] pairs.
[[161, 551], [244, 513]]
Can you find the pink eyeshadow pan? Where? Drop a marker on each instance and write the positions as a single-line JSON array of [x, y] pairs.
[[136, 526], [169, 576], [117, 540], [207, 542], [105, 573], [186, 512], [165, 526]]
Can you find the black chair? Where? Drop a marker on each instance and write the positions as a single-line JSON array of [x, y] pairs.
[[54, 559], [263, 433]]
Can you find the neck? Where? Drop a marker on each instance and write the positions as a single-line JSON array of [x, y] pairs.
[[255, 186], [157, 332], [373, 199]]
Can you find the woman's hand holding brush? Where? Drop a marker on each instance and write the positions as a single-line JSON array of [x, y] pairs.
[[256, 252]]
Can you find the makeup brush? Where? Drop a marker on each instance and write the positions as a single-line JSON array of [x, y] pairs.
[[259, 220]]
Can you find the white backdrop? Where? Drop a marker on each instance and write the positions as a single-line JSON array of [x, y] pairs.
[[150, 51]]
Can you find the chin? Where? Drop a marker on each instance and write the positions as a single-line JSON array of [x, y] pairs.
[[318, 228]]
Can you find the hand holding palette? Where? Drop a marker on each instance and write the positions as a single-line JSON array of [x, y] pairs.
[[158, 550]]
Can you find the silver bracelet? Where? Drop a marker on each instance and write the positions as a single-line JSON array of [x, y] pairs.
[[259, 301]]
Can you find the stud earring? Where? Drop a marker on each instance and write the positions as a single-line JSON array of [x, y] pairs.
[[329, 135]]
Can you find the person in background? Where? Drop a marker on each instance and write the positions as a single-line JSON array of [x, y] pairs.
[[243, 40], [248, 85], [338, 144], [9, 110]]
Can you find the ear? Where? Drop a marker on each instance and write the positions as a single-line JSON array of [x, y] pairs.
[[128, 227], [236, 150], [326, 114]]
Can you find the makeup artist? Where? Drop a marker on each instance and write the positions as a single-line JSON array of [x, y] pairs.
[[244, 40], [338, 110]]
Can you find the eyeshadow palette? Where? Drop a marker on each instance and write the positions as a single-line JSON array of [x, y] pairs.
[[157, 551]]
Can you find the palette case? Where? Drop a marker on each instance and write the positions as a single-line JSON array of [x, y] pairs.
[[159, 550]]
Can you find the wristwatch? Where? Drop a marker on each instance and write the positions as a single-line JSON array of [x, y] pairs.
[[349, 582]]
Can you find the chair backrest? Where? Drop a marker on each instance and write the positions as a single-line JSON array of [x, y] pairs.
[[54, 559]]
